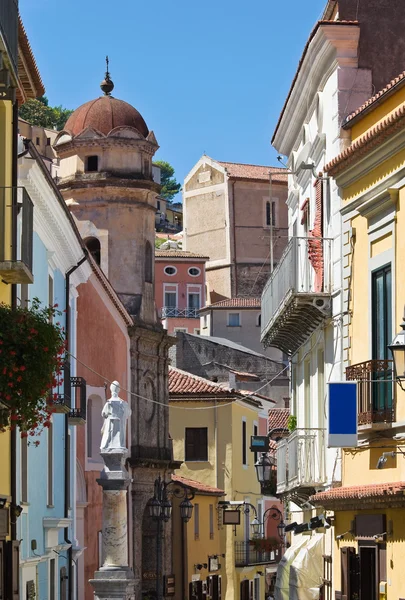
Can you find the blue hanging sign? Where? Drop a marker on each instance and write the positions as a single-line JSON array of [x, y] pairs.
[[343, 414]]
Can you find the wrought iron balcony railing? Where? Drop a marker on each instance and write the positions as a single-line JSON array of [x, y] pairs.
[[245, 555], [73, 399], [301, 460], [16, 212], [297, 295], [9, 29], [375, 392], [188, 313]]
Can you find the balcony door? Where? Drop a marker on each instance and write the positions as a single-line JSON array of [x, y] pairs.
[[381, 337]]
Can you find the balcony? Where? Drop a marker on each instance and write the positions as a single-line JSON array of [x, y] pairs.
[[301, 462], [297, 296], [376, 403], [9, 29], [246, 555], [16, 212], [168, 312], [73, 399]]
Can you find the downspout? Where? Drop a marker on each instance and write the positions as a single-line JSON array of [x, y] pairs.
[[211, 322], [14, 181], [67, 457], [233, 230]]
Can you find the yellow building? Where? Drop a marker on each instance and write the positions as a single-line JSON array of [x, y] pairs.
[[19, 80], [212, 441], [369, 508]]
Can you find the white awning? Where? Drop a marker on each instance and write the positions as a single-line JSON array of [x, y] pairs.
[[306, 570], [282, 589]]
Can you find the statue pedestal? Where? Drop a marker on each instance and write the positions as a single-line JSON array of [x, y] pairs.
[[114, 580]]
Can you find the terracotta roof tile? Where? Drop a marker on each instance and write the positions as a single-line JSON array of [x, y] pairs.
[[202, 488], [367, 141], [181, 382], [29, 58], [387, 90], [311, 36], [236, 303], [256, 395], [245, 171], [178, 254], [278, 418], [357, 492]]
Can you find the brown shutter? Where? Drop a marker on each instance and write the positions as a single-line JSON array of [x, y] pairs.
[[345, 565], [12, 570], [2, 591]]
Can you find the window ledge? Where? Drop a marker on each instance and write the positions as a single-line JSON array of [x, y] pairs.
[[197, 461], [234, 326]]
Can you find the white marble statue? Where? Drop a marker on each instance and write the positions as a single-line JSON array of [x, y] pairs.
[[115, 412]]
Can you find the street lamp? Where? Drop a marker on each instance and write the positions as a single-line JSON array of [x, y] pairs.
[[264, 467], [397, 348], [160, 510]]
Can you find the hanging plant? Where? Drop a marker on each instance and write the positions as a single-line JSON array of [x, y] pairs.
[[265, 544], [31, 360], [292, 423]]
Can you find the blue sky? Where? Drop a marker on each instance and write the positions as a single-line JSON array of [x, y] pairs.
[[207, 76]]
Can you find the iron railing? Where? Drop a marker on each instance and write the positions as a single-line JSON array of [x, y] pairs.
[[168, 312], [301, 460], [376, 402], [9, 29], [16, 207], [245, 555], [304, 268]]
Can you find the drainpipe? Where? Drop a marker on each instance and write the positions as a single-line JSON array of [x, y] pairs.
[[67, 457], [14, 181], [233, 232]]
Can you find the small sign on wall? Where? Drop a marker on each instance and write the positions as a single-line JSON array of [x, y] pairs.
[[343, 414]]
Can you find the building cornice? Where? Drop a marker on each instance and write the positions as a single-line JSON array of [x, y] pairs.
[[331, 45]]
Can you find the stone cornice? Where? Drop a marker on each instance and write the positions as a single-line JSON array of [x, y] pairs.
[[69, 148], [332, 45], [108, 180]]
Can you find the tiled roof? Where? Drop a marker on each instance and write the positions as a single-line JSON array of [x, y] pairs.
[[369, 140], [199, 487], [25, 52], [399, 81], [278, 418], [311, 36], [359, 492], [244, 171], [178, 254], [253, 394], [181, 382], [236, 303]]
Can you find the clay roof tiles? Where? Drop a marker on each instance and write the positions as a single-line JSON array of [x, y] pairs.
[[202, 488], [246, 171], [388, 89], [30, 62], [178, 254], [357, 492], [236, 303], [278, 418]]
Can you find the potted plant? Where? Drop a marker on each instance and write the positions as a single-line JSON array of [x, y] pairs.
[[31, 358]]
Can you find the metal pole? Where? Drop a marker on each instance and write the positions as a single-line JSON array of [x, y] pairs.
[[158, 567], [271, 225]]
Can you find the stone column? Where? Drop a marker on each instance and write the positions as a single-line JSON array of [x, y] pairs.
[[114, 580]]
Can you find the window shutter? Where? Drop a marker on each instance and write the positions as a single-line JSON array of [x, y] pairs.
[[219, 587], [12, 570], [251, 590], [2, 591], [345, 564]]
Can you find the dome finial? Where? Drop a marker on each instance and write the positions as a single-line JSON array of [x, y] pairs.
[[107, 85]]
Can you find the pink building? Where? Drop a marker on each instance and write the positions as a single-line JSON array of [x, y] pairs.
[[179, 289]]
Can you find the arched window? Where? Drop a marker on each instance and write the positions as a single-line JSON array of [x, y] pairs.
[[91, 164], [148, 263], [94, 247]]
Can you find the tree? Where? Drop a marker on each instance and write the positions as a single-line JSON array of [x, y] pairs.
[[38, 112], [170, 186]]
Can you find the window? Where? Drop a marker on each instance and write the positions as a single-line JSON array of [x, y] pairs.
[[234, 320], [48, 141], [194, 271], [194, 300], [381, 312], [244, 443], [158, 204], [148, 262], [50, 465], [205, 321], [91, 164], [255, 432], [270, 216], [52, 573], [37, 141], [211, 521], [94, 247], [196, 444], [259, 320], [196, 521], [146, 167], [24, 469], [197, 331], [170, 271], [170, 299]]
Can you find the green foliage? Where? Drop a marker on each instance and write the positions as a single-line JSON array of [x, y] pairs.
[[31, 360], [159, 242], [170, 186], [292, 423], [38, 112]]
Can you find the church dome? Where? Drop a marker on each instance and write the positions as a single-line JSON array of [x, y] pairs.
[[104, 114]]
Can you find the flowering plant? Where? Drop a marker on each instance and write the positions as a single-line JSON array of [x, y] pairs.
[[265, 544], [31, 360]]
